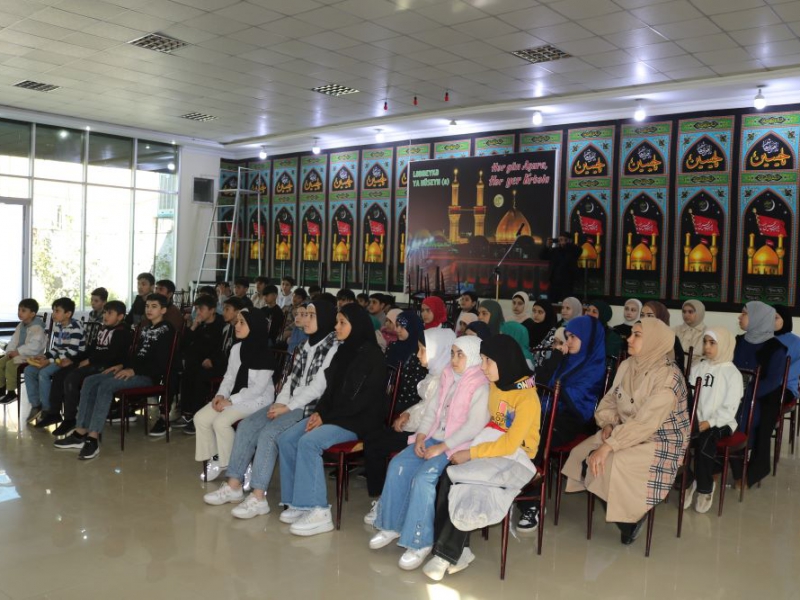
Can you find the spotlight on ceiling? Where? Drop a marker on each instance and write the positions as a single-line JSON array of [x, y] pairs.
[[315, 148], [537, 117], [639, 114], [263, 154], [759, 102], [379, 137], [171, 166], [453, 126]]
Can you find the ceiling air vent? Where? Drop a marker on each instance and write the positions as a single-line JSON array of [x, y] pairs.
[[334, 89], [158, 43], [541, 54], [196, 116], [36, 86]]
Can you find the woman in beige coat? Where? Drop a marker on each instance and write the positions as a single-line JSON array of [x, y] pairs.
[[632, 461]]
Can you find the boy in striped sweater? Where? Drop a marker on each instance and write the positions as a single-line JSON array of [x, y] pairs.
[[68, 342]]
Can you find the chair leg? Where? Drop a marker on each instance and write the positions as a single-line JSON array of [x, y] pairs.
[[723, 480], [205, 471], [485, 532], [651, 517], [542, 511], [504, 543], [166, 415], [559, 487], [122, 424], [792, 429], [776, 455], [340, 475], [746, 460], [589, 514]]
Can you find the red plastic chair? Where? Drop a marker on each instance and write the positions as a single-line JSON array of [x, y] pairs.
[[341, 456], [787, 408], [736, 444]]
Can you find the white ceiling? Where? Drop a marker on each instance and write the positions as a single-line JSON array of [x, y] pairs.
[[252, 64]]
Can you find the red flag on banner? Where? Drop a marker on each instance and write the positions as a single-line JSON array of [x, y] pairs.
[[591, 226], [286, 229], [376, 228], [645, 226], [344, 228], [771, 227], [705, 225], [313, 228]]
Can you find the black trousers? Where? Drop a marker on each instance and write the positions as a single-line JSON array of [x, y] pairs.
[[196, 386], [72, 389], [449, 541], [705, 457], [761, 440], [57, 388], [378, 447]]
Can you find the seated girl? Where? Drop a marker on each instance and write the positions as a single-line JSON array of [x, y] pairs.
[[554, 357], [389, 328], [433, 312], [632, 461], [631, 312], [256, 436], [720, 395], [246, 387], [448, 425], [656, 310], [571, 308], [690, 332], [433, 355], [519, 308], [479, 329], [519, 334], [349, 409], [491, 313], [465, 319], [599, 309]]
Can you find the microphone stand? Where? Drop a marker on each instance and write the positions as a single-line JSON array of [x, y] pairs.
[[502, 260]]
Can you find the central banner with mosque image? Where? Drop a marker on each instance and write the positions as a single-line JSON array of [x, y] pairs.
[[465, 214], [766, 260], [376, 210]]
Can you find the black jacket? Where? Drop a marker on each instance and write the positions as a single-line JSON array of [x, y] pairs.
[[112, 346], [136, 313], [205, 342], [274, 315], [151, 356], [355, 396]]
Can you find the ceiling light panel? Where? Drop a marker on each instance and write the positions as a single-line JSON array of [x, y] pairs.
[[541, 54], [334, 89], [158, 43], [36, 86]]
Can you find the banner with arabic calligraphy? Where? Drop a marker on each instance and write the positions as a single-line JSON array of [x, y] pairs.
[[377, 166], [643, 218], [228, 181], [284, 216], [342, 207], [404, 156], [453, 149], [494, 145], [465, 214], [766, 257], [313, 186], [702, 249], [590, 170]]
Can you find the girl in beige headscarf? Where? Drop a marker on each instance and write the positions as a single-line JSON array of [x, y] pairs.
[[632, 461], [721, 390], [690, 332]]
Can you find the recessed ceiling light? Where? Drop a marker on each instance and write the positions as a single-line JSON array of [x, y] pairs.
[[88, 128], [63, 134], [158, 43], [315, 148], [196, 116], [759, 102], [537, 118], [639, 114], [334, 89], [171, 166], [379, 137], [263, 154], [541, 54], [453, 126], [36, 86]]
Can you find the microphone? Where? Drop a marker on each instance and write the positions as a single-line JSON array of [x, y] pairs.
[[519, 231]]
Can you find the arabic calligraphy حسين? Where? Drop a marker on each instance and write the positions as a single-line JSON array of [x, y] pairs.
[[343, 181], [765, 160], [586, 167], [377, 179], [703, 160]]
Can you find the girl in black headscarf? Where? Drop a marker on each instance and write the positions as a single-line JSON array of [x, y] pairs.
[[542, 323], [256, 436], [409, 328], [246, 387], [349, 410], [480, 329]]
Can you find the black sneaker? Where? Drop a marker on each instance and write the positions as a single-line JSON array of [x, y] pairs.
[[47, 419], [189, 428], [35, 410], [8, 397], [181, 422], [630, 531], [73, 440], [115, 417], [67, 426], [529, 520], [90, 449], [158, 429]]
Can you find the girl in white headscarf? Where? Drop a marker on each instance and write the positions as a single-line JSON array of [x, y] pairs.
[[631, 312], [690, 332], [721, 390], [520, 311]]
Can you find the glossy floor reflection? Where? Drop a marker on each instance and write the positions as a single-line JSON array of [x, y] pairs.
[[134, 525]]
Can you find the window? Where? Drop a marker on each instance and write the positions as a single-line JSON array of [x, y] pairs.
[[108, 264], [153, 233], [59, 153], [15, 148], [110, 159], [157, 166]]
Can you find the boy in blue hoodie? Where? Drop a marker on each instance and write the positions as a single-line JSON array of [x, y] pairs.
[[29, 340]]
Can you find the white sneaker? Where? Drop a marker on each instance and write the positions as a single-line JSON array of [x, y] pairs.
[[464, 561], [370, 517], [223, 495], [704, 501], [213, 470], [382, 539], [291, 515], [315, 521], [687, 502], [436, 568], [412, 559], [251, 507]]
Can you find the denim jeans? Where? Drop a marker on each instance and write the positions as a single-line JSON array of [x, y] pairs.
[[37, 384], [97, 394], [408, 501], [303, 481], [257, 441]]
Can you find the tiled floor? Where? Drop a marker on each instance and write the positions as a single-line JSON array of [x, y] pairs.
[[134, 525]]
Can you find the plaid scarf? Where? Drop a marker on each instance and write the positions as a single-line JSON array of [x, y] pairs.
[[318, 357]]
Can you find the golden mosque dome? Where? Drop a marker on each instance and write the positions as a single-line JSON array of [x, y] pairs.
[[588, 252], [374, 252], [341, 251], [641, 257], [507, 229], [700, 254], [311, 251], [766, 257], [283, 251]]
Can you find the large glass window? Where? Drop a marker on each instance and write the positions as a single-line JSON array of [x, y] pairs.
[[107, 247], [15, 148], [154, 233], [110, 159], [57, 210], [15, 187], [59, 153], [157, 166]]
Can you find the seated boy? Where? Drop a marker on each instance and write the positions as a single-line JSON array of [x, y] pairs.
[[468, 301], [203, 358], [98, 301], [241, 285], [166, 288], [68, 342], [274, 313], [258, 297], [314, 291], [144, 287], [111, 346], [223, 293], [299, 296], [345, 296], [285, 293], [363, 300], [231, 308], [376, 307], [28, 340], [147, 367]]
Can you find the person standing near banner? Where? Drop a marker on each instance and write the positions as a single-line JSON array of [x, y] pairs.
[[563, 256]]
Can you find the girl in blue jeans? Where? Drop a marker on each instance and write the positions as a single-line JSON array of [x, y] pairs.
[[352, 406], [256, 438], [407, 503]]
